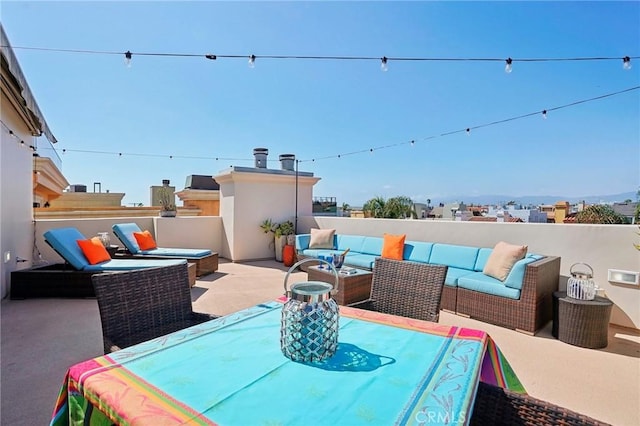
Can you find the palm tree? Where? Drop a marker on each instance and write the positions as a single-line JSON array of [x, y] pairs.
[[374, 207], [399, 207]]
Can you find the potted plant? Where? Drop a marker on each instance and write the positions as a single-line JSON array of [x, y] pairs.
[[167, 202], [282, 232]]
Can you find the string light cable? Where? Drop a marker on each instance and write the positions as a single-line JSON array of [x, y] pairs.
[[371, 150], [384, 60]]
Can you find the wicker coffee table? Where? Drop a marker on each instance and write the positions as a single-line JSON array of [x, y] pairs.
[[352, 288], [583, 323]]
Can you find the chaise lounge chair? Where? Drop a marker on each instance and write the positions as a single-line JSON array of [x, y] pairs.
[[206, 261], [73, 278], [65, 242]]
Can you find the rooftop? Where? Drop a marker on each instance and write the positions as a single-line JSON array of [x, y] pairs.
[[42, 338]]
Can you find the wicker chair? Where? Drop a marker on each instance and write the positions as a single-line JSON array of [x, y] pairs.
[[497, 406], [407, 289], [142, 304]]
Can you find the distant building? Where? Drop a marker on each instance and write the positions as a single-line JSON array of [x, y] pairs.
[[324, 206], [627, 210], [524, 214]]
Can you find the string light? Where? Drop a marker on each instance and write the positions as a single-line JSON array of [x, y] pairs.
[[626, 63], [544, 114], [383, 64], [411, 142], [252, 61], [509, 61], [508, 67], [127, 59]]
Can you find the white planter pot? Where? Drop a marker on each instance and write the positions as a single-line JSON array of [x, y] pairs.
[[280, 243]]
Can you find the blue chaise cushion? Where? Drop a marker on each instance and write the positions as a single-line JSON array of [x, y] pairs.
[[64, 242], [124, 232]]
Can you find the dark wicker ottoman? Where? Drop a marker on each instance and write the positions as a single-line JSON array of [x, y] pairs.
[[584, 323]]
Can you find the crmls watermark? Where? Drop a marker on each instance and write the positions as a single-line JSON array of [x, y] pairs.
[[432, 417]]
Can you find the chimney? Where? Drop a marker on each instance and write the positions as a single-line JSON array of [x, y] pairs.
[[165, 182], [260, 155], [286, 161]]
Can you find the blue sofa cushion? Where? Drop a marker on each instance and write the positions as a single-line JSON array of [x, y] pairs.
[[417, 251], [482, 283], [353, 242], [483, 256], [454, 256], [319, 252], [302, 241], [372, 245], [515, 279], [365, 261], [64, 242], [453, 274]]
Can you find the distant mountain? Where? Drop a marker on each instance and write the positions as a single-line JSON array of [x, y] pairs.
[[538, 199]]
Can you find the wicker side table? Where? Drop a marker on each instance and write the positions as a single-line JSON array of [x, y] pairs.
[[351, 288], [584, 323]]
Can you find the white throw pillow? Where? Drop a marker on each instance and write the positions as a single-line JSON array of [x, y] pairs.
[[321, 238], [502, 259]]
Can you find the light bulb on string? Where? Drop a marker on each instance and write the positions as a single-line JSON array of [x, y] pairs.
[[544, 114], [371, 151], [252, 61], [383, 64], [508, 67], [127, 59], [468, 131], [626, 63], [413, 143]]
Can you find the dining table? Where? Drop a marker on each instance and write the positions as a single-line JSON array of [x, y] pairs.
[[231, 371]]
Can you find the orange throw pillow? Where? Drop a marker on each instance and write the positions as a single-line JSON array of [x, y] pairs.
[[393, 246], [145, 240], [94, 251]]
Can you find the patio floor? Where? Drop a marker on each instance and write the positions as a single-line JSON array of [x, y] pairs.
[[41, 338]]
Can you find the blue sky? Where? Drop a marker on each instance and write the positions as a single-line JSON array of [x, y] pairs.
[[191, 106]]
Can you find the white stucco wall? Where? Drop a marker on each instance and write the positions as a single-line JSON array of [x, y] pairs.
[[16, 170], [248, 198], [603, 247]]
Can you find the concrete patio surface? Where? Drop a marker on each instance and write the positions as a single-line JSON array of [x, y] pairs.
[[42, 338]]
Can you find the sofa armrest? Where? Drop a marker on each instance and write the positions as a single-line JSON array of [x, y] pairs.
[[302, 242], [542, 277]]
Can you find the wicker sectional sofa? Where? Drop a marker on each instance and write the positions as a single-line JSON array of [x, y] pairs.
[[522, 302]]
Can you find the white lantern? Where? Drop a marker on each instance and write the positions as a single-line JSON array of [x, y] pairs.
[[581, 284]]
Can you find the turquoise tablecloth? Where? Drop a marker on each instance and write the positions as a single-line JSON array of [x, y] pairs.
[[230, 371]]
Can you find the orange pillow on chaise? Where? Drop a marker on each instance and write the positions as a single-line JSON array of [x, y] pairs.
[[145, 240], [93, 250]]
